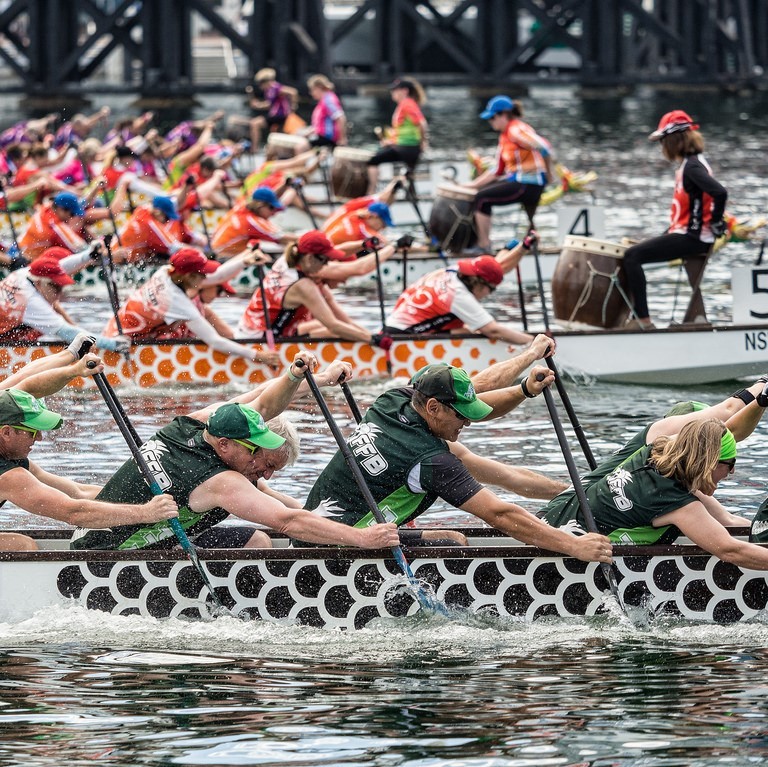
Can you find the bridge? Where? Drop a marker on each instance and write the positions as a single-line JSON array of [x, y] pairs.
[[173, 49]]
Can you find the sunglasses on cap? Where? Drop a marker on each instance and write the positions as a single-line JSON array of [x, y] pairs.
[[33, 432], [249, 446]]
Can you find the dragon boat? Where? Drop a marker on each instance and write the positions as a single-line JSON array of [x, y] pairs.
[[342, 588], [669, 356]]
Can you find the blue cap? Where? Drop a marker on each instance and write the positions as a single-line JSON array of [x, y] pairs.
[[381, 209], [69, 202], [266, 195], [495, 105], [166, 205]]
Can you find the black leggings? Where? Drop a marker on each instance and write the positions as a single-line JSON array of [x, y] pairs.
[[507, 193], [408, 155], [665, 248]]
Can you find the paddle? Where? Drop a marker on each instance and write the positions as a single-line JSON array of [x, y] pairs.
[[190, 182], [410, 193], [426, 601], [521, 296], [268, 332], [108, 267], [17, 259], [298, 186], [134, 445], [608, 571], [373, 244], [572, 417], [354, 409]]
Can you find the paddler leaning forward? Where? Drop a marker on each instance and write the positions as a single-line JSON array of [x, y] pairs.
[[23, 421], [403, 449], [215, 462]]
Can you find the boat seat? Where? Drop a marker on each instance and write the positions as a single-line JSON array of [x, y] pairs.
[[694, 268]]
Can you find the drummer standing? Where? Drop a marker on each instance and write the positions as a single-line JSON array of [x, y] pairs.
[[523, 167], [408, 137], [696, 218]]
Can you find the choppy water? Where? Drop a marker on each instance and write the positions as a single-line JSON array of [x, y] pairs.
[[78, 687]]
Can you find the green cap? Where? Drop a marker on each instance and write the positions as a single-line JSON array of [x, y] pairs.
[[19, 408], [235, 421], [684, 408], [451, 386], [727, 446]]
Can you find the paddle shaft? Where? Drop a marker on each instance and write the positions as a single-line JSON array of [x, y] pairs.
[[299, 187], [354, 409], [108, 267], [362, 485], [405, 268], [268, 332], [540, 283], [521, 296], [379, 284], [191, 182], [586, 511], [134, 445], [572, 417], [8, 213]]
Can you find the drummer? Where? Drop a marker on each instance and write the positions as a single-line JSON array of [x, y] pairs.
[[298, 302], [696, 217], [523, 167], [328, 123], [409, 135], [449, 300]]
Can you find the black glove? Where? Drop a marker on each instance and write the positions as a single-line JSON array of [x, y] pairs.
[[404, 242], [96, 251], [762, 398], [382, 340], [371, 243], [17, 261], [718, 228]]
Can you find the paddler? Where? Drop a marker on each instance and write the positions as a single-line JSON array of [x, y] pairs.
[[164, 302], [216, 461], [402, 449], [23, 421], [660, 485]]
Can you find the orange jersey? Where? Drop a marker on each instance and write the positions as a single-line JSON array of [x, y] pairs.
[[346, 209], [521, 154], [240, 225], [46, 230], [146, 237], [350, 229]]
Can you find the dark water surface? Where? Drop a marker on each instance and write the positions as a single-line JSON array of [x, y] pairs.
[[78, 688]]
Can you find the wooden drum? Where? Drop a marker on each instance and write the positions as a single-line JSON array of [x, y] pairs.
[[452, 221], [283, 146], [589, 284], [349, 172]]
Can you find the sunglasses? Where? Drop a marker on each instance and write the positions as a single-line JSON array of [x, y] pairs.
[[453, 410], [33, 432], [731, 464], [249, 446], [488, 285], [322, 259]]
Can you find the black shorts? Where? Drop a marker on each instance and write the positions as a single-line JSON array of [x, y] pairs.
[[224, 537], [507, 193], [322, 141], [275, 122], [409, 155]]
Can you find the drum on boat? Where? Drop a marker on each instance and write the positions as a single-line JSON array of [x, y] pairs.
[[349, 172], [452, 220], [589, 284], [282, 146]]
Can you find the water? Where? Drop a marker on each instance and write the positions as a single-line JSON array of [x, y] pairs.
[[79, 687]]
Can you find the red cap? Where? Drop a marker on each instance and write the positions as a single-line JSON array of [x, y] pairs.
[[50, 269], [191, 261], [317, 243], [485, 267], [675, 121], [56, 252]]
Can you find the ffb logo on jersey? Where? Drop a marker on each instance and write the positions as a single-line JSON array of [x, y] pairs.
[[363, 446]]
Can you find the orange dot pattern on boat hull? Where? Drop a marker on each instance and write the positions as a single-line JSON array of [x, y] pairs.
[[195, 363]]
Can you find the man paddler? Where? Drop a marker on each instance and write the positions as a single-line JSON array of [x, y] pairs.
[[23, 421], [402, 448], [215, 461]]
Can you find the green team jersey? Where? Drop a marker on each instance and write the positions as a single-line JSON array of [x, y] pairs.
[[405, 466], [624, 501], [180, 460]]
